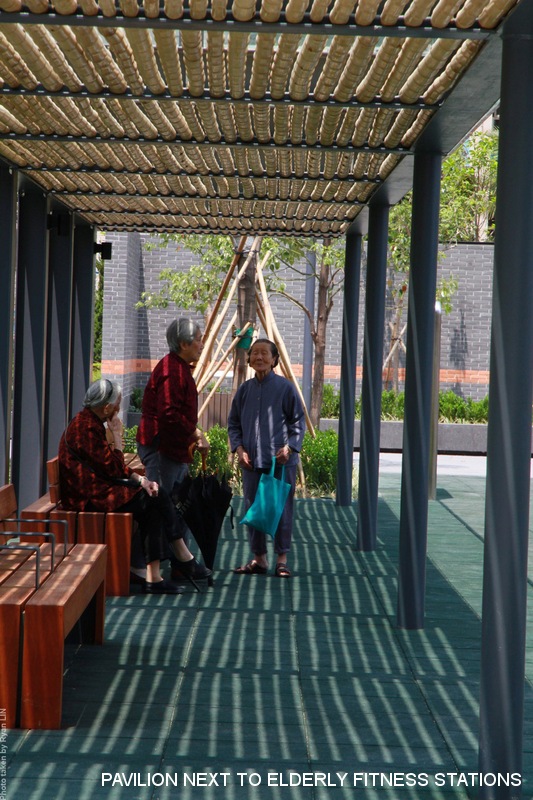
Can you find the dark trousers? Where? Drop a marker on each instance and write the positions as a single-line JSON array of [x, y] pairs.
[[159, 522]]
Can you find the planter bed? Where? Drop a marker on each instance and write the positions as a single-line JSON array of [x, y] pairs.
[[454, 438]]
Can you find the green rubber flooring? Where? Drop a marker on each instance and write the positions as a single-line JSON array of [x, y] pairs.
[[268, 688]]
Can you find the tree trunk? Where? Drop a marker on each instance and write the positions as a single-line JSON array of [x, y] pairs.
[[319, 340], [246, 310]]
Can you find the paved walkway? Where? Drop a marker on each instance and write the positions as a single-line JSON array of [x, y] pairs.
[[269, 688]]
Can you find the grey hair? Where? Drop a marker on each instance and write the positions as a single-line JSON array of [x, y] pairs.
[[102, 392], [181, 331]]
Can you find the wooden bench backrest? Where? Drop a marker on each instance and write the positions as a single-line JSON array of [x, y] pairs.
[[52, 471], [8, 506]]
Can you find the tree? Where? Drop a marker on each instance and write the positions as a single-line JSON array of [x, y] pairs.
[[468, 190], [98, 309], [468, 199], [198, 287]]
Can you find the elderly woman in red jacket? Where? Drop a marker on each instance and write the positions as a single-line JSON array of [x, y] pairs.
[[169, 419], [94, 477]]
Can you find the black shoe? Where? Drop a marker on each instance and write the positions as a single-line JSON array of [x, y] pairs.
[[162, 587], [192, 569]]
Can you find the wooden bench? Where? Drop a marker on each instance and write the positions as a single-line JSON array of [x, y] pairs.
[[77, 584], [88, 527], [69, 580]]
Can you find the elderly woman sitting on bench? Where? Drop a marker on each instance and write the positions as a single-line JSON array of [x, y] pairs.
[[94, 477]]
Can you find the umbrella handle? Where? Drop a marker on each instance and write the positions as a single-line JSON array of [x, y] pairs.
[[192, 448]]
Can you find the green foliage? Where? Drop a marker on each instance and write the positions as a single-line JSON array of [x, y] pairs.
[[136, 398], [452, 407], [468, 190], [330, 402], [319, 461], [392, 405], [130, 444], [97, 371], [98, 310], [218, 457]]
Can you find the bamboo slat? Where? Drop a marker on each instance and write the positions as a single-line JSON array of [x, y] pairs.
[[237, 52], [306, 62], [193, 61], [355, 68], [168, 55], [262, 61], [36, 62], [335, 63], [379, 70], [282, 65], [427, 70], [90, 40]]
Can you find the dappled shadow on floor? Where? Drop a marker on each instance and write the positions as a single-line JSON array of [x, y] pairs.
[[271, 678]]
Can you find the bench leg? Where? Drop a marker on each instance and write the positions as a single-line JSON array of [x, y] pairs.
[[42, 668], [118, 533], [9, 662], [45, 628]]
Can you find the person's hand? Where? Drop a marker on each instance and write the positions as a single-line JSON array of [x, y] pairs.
[[115, 432], [150, 487], [283, 454], [245, 461], [202, 445]]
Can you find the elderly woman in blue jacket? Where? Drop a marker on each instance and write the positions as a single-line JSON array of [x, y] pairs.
[[267, 421]]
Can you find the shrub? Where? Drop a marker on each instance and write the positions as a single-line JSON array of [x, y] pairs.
[[136, 398], [219, 456], [330, 402], [130, 445], [319, 461]]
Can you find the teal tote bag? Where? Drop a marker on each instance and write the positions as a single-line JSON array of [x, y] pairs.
[[267, 508]]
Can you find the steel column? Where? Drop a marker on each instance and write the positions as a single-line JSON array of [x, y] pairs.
[[8, 211], [372, 383], [350, 322], [509, 428], [30, 344], [82, 315], [59, 329], [307, 373], [418, 383]]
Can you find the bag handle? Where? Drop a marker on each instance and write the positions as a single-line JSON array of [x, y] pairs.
[[273, 469]]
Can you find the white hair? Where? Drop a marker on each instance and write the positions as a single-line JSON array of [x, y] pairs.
[[102, 392]]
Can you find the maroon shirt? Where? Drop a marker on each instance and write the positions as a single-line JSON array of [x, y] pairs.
[[86, 436], [170, 409]]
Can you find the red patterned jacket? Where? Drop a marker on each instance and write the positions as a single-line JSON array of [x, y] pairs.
[[80, 486], [170, 409]]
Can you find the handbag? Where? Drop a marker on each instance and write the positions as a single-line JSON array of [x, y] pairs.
[[270, 498]]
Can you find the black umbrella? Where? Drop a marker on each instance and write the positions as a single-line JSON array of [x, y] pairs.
[[202, 502]]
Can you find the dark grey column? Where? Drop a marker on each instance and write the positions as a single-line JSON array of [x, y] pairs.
[[82, 315], [30, 345], [8, 210], [307, 370], [350, 321], [418, 380], [509, 429], [372, 383], [59, 328]]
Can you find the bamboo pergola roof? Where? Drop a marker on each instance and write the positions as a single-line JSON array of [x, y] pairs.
[[274, 117]]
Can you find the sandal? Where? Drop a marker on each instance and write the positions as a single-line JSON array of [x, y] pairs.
[[251, 568], [282, 571]]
